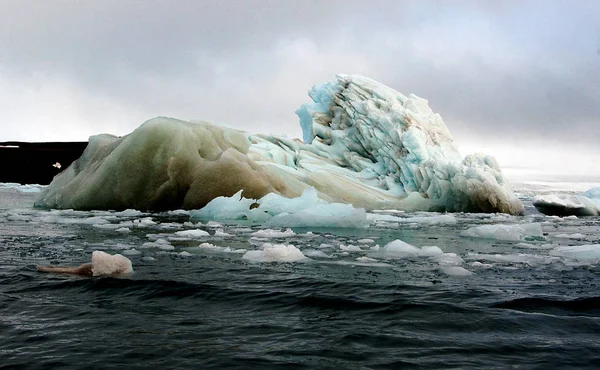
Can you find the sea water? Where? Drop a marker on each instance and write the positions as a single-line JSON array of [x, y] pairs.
[[409, 290]]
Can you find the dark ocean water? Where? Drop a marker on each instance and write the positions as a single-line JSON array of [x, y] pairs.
[[524, 309]]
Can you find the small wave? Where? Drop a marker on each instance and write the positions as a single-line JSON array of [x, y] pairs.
[[588, 306]]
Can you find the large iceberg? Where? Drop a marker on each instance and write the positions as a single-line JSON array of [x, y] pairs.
[[584, 204], [365, 144]]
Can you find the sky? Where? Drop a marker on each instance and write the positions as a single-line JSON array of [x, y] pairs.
[[516, 79]]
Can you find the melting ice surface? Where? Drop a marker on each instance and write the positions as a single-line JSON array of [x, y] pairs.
[[365, 144]]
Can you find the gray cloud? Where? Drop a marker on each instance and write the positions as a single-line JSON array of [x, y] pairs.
[[496, 71]]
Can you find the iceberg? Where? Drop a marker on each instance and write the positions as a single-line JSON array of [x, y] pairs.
[[364, 144], [584, 204]]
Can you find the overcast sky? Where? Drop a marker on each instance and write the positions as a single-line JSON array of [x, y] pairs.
[[519, 80]]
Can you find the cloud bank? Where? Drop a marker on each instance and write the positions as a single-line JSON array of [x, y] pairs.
[[503, 75]]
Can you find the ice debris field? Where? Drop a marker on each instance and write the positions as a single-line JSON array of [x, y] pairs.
[[308, 230]]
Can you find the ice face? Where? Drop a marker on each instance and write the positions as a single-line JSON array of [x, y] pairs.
[[365, 144], [584, 204]]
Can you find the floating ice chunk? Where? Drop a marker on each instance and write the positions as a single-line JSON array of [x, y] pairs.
[[221, 233], [323, 215], [424, 220], [482, 265], [365, 241], [315, 253], [520, 258], [275, 253], [456, 271], [275, 204], [398, 248], [84, 221], [233, 250], [170, 225], [448, 259], [166, 246], [129, 213], [270, 233], [235, 207], [325, 245], [123, 230], [106, 264], [178, 212], [366, 259], [193, 234], [578, 252], [214, 224], [430, 251], [570, 236], [517, 232], [584, 204], [350, 248], [185, 254], [148, 259], [144, 222], [210, 247]]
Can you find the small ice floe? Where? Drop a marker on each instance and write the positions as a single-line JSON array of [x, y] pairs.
[[220, 233], [350, 248], [570, 236], [192, 234], [455, 271], [271, 233], [589, 252], [516, 232], [365, 241], [275, 253], [313, 253], [401, 249]]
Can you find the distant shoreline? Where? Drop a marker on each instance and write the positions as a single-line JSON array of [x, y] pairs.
[[36, 162]]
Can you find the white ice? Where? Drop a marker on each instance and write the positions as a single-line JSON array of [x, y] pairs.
[[516, 232], [583, 204], [578, 252], [270, 233], [106, 264], [275, 253]]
